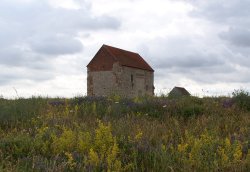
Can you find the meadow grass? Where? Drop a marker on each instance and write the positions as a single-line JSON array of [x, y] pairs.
[[118, 134]]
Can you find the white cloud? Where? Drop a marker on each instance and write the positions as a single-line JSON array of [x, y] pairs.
[[45, 45]]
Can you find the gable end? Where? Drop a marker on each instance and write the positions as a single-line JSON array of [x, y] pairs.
[[102, 61]]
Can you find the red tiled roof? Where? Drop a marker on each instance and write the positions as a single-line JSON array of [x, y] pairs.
[[128, 58]]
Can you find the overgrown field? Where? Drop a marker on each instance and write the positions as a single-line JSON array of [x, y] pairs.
[[114, 134]]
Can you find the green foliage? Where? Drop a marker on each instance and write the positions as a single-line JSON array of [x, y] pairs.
[[65, 142], [242, 99], [192, 110], [16, 145], [116, 134], [15, 112]]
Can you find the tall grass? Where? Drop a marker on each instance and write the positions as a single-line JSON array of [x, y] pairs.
[[115, 134]]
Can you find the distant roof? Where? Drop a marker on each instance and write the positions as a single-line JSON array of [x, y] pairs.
[[127, 58], [182, 90]]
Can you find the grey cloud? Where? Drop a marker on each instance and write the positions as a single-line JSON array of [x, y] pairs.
[[4, 80], [206, 75], [222, 11], [236, 77], [10, 75], [214, 58], [181, 52], [189, 57], [68, 21], [233, 14], [205, 70], [44, 17], [44, 29], [194, 61], [14, 57], [33, 33], [9, 56], [230, 19], [237, 36], [57, 45]]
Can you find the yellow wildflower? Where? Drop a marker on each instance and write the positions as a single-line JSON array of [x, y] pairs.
[[138, 135], [93, 157], [238, 153], [182, 147], [70, 161]]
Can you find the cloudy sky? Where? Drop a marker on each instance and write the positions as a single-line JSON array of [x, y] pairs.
[[45, 45]]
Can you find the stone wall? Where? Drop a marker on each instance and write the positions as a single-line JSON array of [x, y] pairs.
[[137, 82], [125, 81], [100, 83], [103, 83]]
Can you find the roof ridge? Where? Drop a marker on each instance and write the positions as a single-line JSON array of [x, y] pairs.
[[179, 87], [108, 46], [105, 46]]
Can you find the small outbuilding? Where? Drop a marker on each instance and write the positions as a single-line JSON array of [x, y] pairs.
[[116, 71], [178, 92]]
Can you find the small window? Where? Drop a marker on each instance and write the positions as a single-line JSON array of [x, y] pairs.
[[146, 87], [132, 81], [132, 78]]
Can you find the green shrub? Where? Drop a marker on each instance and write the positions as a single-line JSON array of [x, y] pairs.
[[16, 146], [242, 99], [192, 110]]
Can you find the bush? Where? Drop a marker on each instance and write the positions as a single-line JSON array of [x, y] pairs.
[[192, 110], [16, 146], [242, 99]]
